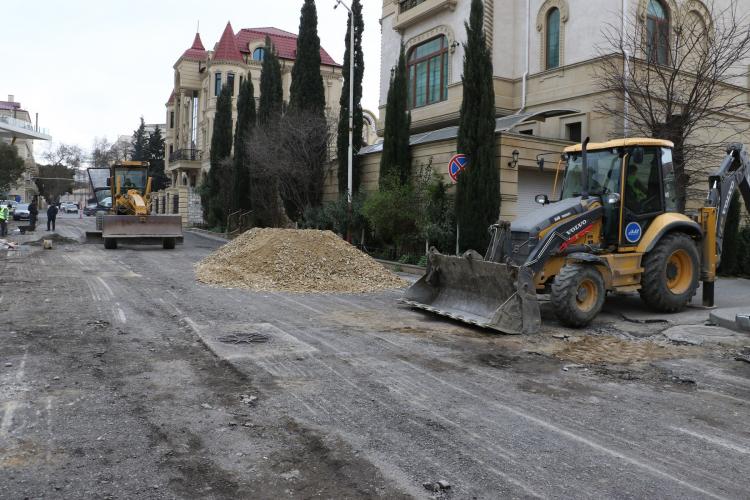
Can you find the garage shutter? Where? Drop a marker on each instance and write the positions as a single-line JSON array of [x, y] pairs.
[[530, 184]]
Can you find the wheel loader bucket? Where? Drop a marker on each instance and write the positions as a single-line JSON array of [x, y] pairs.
[[135, 226], [475, 291]]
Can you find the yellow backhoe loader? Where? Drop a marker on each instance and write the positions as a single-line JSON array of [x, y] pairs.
[[615, 228], [123, 194]]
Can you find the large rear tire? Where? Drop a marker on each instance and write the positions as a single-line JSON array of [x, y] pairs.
[[110, 243], [670, 273], [168, 243], [577, 294]]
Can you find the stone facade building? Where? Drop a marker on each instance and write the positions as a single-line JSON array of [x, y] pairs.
[[544, 53], [199, 76]]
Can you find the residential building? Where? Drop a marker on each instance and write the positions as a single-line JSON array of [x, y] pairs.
[[199, 76], [16, 127], [545, 54]]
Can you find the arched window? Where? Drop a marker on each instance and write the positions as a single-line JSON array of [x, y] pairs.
[[428, 72], [657, 32], [259, 53], [552, 53]]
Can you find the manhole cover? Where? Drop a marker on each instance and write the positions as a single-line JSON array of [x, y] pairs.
[[244, 338]]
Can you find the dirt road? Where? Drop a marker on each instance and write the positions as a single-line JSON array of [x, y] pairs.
[[122, 377]]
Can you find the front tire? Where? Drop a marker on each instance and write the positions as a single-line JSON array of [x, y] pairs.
[[670, 273], [110, 243], [577, 294]]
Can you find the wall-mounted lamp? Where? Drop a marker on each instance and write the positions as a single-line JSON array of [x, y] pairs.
[[514, 162], [455, 45]]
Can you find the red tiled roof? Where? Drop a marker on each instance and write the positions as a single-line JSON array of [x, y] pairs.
[[171, 98], [197, 51], [284, 42], [227, 49]]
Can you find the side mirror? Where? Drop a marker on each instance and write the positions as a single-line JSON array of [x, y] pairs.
[[540, 162], [612, 198], [542, 199]]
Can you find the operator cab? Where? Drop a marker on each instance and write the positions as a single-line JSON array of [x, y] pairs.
[[633, 178]]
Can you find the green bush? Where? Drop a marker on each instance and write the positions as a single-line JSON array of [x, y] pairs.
[[395, 213], [335, 216]]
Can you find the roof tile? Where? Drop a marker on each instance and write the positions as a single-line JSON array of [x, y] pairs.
[[227, 49]]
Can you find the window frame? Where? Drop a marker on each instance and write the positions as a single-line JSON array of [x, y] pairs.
[[262, 51], [444, 69], [217, 84], [659, 36], [230, 82], [547, 38]]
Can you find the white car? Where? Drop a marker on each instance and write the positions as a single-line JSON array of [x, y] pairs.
[[69, 208]]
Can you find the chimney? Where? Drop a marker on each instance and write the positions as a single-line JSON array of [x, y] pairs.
[[11, 98]]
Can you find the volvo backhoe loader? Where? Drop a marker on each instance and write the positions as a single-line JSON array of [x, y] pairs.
[[615, 228], [123, 194]]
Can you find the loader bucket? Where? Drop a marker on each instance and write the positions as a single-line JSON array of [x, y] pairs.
[[135, 226], [475, 291]]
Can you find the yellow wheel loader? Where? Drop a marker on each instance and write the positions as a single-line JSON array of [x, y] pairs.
[[123, 194], [614, 229]]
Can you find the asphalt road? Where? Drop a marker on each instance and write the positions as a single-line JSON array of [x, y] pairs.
[[121, 377]]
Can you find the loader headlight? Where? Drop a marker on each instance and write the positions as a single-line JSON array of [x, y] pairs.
[[612, 198]]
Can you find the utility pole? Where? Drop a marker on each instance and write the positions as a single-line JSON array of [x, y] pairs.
[[351, 101]]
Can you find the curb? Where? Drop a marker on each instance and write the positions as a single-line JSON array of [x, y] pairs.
[[207, 234], [405, 268]]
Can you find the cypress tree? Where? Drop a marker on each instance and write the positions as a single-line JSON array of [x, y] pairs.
[[307, 100], [271, 93], [245, 123], [219, 176], [306, 92], [396, 156], [342, 141], [478, 192]]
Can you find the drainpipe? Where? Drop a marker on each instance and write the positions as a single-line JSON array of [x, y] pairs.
[[626, 72], [526, 73]]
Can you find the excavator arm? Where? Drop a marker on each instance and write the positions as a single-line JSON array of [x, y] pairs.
[[733, 174]]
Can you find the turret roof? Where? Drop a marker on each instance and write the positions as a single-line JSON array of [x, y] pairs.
[[196, 51], [227, 50]]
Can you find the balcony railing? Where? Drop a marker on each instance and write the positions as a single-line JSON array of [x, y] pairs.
[[15, 122], [405, 5], [186, 155]]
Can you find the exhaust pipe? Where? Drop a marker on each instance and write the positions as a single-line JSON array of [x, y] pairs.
[[585, 169]]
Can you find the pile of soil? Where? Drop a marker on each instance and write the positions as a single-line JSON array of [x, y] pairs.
[[291, 260], [607, 349]]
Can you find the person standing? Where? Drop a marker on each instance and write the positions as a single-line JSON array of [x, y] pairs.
[[4, 214], [51, 216], [33, 213]]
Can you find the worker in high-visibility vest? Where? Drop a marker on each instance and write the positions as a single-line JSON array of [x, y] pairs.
[[4, 214]]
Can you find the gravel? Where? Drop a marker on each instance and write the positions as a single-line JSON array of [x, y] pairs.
[[297, 261]]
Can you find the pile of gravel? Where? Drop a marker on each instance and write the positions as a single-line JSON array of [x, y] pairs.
[[292, 260]]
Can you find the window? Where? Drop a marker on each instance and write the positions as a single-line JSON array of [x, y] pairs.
[[657, 33], [408, 4], [642, 185], [259, 54], [428, 72], [230, 83], [217, 84], [573, 131], [171, 119], [552, 47], [527, 131]]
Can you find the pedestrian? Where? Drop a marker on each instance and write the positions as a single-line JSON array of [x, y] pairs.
[[4, 214], [51, 216], [33, 214]]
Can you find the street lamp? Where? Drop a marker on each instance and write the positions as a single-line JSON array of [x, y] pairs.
[[349, 186]]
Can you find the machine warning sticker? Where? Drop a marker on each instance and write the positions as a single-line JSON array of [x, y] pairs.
[[633, 232]]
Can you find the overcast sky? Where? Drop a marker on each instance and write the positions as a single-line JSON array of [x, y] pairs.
[[91, 68]]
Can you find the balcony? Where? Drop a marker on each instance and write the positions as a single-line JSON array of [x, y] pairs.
[[13, 127], [185, 159], [412, 11]]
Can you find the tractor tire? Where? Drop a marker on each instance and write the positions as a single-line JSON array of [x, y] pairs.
[[110, 243], [577, 294], [99, 220], [670, 273], [168, 243]]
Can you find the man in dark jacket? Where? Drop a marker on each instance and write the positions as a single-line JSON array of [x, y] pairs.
[[33, 213], [51, 216]]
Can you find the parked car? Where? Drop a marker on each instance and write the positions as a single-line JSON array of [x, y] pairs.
[[21, 211], [93, 208], [69, 208]]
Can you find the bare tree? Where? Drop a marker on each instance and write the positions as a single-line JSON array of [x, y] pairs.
[[70, 156], [286, 171], [682, 78], [103, 152]]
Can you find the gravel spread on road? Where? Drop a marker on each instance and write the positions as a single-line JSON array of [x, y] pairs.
[[590, 349], [294, 260]]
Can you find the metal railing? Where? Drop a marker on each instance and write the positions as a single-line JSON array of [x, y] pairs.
[[186, 154], [15, 122], [405, 5]]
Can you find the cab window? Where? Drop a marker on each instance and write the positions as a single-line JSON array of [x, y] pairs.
[[604, 173], [642, 184], [670, 187]]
